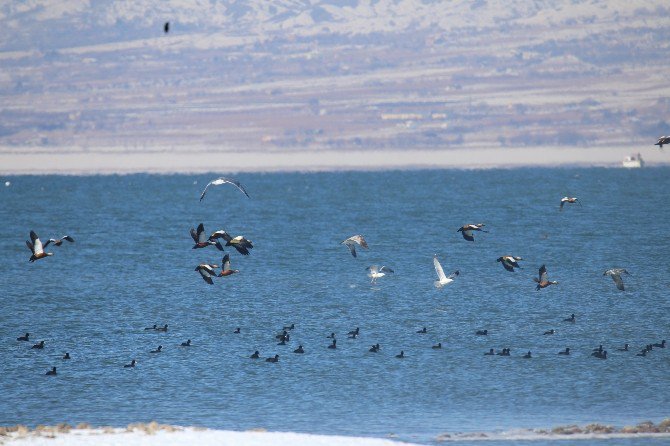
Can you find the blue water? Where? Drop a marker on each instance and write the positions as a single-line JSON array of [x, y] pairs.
[[132, 266]]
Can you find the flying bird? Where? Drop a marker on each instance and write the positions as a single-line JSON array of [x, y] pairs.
[[35, 246], [570, 200], [59, 241], [241, 244], [509, 262], [466, 230], [375, 272], [443, 279], [166, 27], [662, 140], [354, 240], [542, 281], [616, 276], [202, 241], [225, 267], [206, 270], [224, 180]]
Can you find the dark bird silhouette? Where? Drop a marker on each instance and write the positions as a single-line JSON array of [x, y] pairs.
[[437, 346], [570, 319], [158, 350], [66, 356], [186, 344], [662, 140], [565, 352], [255, 355], [299, 350], [132, 364], [51, 372], [401, 354], [23, 338], [166, 27], [273, 359], [39, 345]]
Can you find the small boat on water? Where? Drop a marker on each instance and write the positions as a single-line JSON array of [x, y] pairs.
[[633, 162]]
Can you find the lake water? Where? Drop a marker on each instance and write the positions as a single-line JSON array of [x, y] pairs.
[[132, 266]]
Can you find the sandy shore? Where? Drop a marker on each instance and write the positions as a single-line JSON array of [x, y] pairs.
[[163, 160]]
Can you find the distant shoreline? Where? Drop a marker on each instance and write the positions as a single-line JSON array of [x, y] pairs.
[[107, 161]]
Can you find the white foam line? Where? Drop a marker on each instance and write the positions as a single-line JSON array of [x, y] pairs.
[[99, 437]]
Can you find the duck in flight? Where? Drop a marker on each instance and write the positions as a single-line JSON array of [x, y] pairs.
[[542, 281], [616, 273], [202, 241], [466, 230], [36, 247], [509, 262], [374, 272], [166, 27], [224, 180], [570, 200], [662, 140], [206, 270], [442, 279], [225, 267], [241, 244], [354, 240], [59, 241]]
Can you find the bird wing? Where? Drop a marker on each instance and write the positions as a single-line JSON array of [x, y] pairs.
[[507, 265], [352, 248], [358, 239], [225, 263], [373, 269], [543, 274], [562, 203], [49, 241], [68, 238], [618, 281], [438, 269], [220, 234], [202, 238], [453, 275], [467, 235], [194, 235], [385, 269], [37, 243], [30, 246]]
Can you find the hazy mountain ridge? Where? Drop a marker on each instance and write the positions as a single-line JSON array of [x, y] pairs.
[[330, 74]]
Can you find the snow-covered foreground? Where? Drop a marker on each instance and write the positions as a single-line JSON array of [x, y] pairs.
[[109, 437]]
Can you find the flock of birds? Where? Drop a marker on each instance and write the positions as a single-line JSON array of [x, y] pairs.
[[208, 272]]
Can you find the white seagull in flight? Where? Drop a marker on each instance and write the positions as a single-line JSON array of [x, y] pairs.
[[443, 279], [375, 272], [224, 180]]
